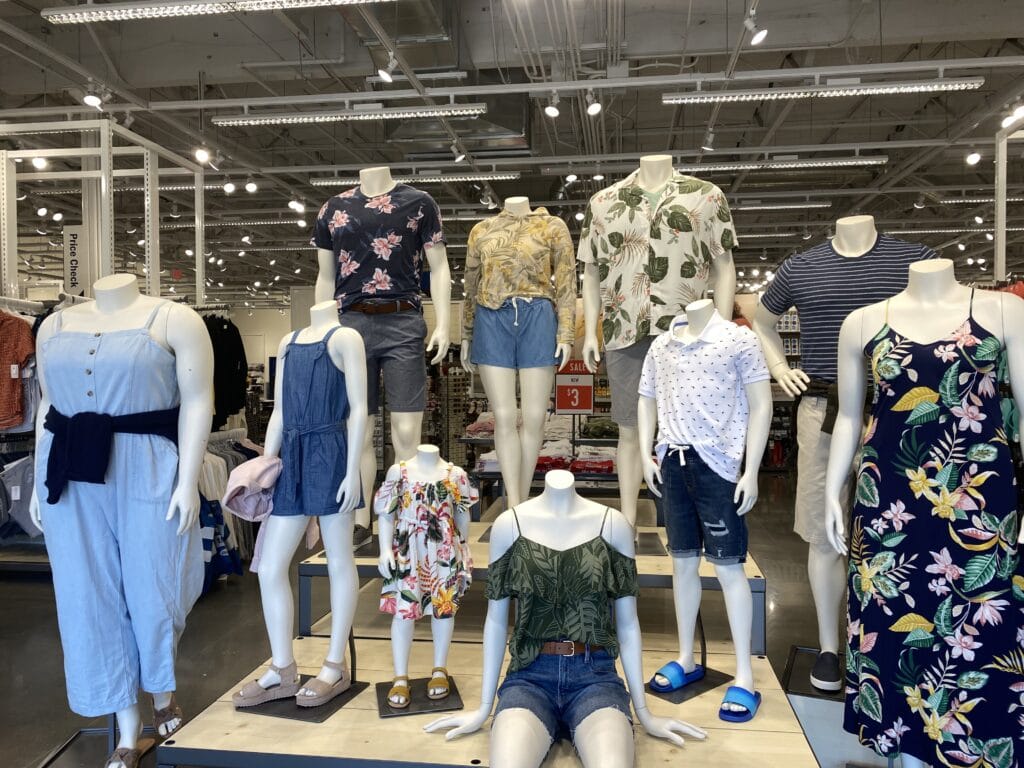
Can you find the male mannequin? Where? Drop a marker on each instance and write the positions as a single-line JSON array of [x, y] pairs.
[[425, 467], [406, 405], [107, 604], [284, 532], [690, 330], [560, 516], [931, 303], [825, 283], [518, 448], [683, 268]]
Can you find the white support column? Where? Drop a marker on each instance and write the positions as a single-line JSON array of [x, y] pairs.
[[999, 269], [105, 239], [8, 226], [200, 219], [151, 229]]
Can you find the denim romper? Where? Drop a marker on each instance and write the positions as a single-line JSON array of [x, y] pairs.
[[124, 580], [314, 448]]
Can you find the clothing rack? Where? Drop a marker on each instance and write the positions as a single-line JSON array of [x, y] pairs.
[[70, 298], [229, 434], [212, 307], [21, 304]]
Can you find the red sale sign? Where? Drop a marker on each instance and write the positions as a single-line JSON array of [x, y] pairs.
[[574, 389]]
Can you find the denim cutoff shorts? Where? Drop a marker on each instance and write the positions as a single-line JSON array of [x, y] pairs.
[[700, 513], [562, 691], [521, 333]]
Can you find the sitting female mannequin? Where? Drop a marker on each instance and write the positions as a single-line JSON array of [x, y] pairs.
[[328, 360], [553, 656]]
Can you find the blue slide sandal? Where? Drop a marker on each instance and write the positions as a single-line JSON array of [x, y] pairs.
[[677, 677], [744, 698]]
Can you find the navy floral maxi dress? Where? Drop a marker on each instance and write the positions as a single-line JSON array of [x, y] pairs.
[[935, 663]]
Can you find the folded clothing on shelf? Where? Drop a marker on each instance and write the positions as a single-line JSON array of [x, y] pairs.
[[487, 462], [592, 466], [600, 427], [558, 427]]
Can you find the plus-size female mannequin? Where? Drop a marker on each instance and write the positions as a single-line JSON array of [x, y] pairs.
[[302, 429], [935, 522], [561, 522], [711, 268], [125, 573], [404, 372], [518, 446]]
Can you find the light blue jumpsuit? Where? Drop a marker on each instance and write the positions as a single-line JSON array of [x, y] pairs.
[[124, 579]]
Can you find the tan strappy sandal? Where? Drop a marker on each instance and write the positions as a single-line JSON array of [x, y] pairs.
[[253, 693], [401, 691], [324, 692], [162, 718], [438, 682]]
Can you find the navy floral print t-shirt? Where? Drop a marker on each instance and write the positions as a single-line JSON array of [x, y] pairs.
[[378, 242]]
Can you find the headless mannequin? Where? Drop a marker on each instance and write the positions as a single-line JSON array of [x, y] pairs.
[[826, 570], [655, 173], [406, 428], [686, 587], [931, 298], [517, 448], [425, 467], [284, 532], [119, 306], [560, 518]]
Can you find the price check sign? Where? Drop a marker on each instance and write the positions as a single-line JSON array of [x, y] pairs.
[[574, 389]]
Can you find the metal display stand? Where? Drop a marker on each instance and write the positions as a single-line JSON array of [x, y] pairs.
[[1004, 136]]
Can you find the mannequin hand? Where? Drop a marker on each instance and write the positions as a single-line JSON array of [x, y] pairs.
[[563, 352], [835, 528], [652, 474], [667, 728], [35, 512], [348, 493], [460, 724], [386, 562], [184, 504], [792, 380], [746, 489], [591, 357], [467, 365], [438, 340]]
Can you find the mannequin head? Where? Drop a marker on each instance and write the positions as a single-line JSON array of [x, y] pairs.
[[855, 235], [655, 171], [375, 181], [115, 292], [324, 313]]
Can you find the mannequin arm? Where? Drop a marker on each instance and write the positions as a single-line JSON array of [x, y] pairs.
[[441, 294], [846, 432], [647, 422], [325, 276], [275, 426], [1012, 308], [45, 331], [591, 314], [469, 292], [759, 422], [386, 528], [347, 348], [193, 353], [723, 281], [792, 380]]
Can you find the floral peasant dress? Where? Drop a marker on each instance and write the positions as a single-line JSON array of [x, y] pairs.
[[433, 567], [935, 663]]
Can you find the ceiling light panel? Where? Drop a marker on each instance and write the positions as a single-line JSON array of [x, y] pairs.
[[90, 13], [977, 200], [443, 178], [345, 115], [233, 223], [825, 91], [795, 205]]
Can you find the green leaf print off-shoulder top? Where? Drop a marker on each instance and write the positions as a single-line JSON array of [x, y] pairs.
[[561, 594]]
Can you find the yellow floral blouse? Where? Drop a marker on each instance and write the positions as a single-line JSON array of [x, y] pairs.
[[529, 256]]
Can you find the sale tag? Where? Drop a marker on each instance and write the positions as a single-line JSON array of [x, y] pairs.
[[574, 389], [15, 372]]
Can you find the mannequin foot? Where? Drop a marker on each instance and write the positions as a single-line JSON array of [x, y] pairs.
[[825, 674], [439, 686], [130, 750], [739, 705], [276, 683], [676, 674], [745, 683], [398, 696], [167, 715], [333, 680]]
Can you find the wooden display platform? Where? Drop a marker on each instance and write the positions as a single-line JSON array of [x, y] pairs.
[[652, 571], [355, 737]]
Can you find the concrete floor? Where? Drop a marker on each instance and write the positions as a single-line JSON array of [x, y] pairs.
[[225, 637]]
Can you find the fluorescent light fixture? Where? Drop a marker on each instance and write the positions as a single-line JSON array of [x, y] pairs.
[[973, 158], [384, 73], [462, 217], [551, 109], [976, 200], [766, 235], [455, 74], [790, 164], [949, 231], [593, 105], [795, 205], [439, 178], [347, 115], [89, 13], [939, 85], [231, 223]]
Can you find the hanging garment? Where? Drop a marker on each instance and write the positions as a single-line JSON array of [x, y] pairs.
[[230, 368], [17, 346], [314, 449], [124, 579], [220, 555], [433, 566], [935, 664]]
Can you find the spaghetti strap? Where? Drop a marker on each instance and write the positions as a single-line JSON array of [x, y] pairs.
[[152, 315], [327, 336], [887, 311], [604, 520], [970, 307], [519, 529]]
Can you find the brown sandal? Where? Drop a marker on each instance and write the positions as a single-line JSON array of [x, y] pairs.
[[438, 682], [130, 758], [401, 691], [253, 693], [324, 692], [163, 718]]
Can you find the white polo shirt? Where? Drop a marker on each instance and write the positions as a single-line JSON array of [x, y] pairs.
[[699, 388]]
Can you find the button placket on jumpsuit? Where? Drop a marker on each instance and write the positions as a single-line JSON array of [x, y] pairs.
[[124, 580]]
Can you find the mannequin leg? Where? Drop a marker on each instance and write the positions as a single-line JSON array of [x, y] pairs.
[[605, 739], [162, 701], [500, 386], [367, 473], [739, 606], [627, 464], [442, 631], [336, 532], [129, 726], [401, 645], [535, 393], [280, 542], [520, 740], [686, 592], [406, 434], [827, 572]]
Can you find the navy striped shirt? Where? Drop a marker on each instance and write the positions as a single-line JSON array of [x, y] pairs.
[[825, 287]]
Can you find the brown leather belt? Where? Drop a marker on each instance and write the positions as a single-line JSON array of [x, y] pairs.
[[568, 648], [382, 307]]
